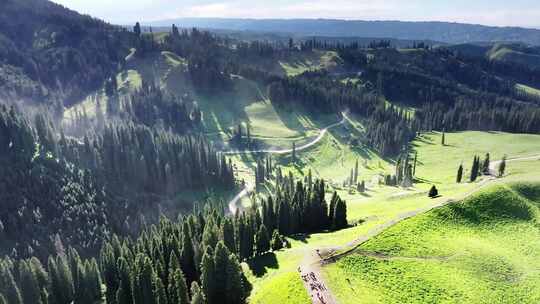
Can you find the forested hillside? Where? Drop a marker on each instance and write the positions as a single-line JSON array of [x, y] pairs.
[[51, 54]]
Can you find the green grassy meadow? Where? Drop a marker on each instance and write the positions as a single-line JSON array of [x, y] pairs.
[[482, 250], [382, 204]]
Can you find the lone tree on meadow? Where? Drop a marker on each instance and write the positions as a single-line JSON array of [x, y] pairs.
[[475, 168], [502, 166], [459, 174], [485, 165], [443, 138], [433, 192]]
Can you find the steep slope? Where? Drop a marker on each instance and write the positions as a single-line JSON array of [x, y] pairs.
[[48, 52], [483, 250]]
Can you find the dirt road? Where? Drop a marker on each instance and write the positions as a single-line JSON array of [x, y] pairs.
[[234, 203]]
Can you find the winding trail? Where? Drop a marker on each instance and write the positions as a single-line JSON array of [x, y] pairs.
[[310, 269], [234, 205]]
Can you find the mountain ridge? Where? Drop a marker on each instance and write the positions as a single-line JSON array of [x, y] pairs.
[[449, 32]]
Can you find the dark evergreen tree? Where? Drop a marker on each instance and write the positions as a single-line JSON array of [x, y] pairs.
[[502, 167], [208, 280], [262, 241], [197, 295], [475, 169], [340, 215], [277, 242], [485, 165], [30, 288], [9, 287], [433, 192], [459, 177], [137, 29], [178, 291]]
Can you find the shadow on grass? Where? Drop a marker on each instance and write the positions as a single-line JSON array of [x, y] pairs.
[[260, 264], [365, 194], [301, 237]]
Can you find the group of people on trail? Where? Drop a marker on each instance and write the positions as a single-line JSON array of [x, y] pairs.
[[315, 285]]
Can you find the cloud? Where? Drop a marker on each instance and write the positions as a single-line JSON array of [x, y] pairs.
[[350, 9]]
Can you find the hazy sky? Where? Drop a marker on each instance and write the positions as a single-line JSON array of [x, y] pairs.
[[490, 12]]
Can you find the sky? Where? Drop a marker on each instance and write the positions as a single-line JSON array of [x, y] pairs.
[[524, 13]]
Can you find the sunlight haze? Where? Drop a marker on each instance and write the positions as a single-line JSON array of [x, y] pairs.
[[498, 13]]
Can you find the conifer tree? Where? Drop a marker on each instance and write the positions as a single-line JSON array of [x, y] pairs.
[[62, 288], [187, 254], [475, 169], [9, 288], [227, 234], [124, 294], [361, 187], [433, 192], [178, 292], [207, 277], [340, 215], [502, 166], [459, 177], [236, 289], [197, 295], [137, 29], [159, 291], [276, 243], [221, 261], [485, 165], [443, 139], [262, 243], [110, 273], [29, 285]]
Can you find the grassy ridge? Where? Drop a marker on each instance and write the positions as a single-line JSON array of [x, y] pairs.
[[483, 250]]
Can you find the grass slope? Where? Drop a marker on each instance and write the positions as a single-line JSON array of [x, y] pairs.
[[483, 250], [380, 204]]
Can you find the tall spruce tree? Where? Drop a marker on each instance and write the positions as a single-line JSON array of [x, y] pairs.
[[197, 294], [208, 281], [9, 287], [29, 284], [485, 165], [262, 242], [475, 169], [178, 292], [340, 215], [502, 166], [459, 177]]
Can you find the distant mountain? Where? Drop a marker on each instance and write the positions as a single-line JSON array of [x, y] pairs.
[[436, 31]]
